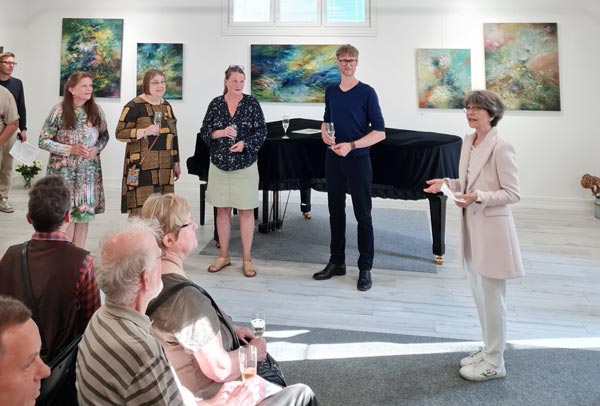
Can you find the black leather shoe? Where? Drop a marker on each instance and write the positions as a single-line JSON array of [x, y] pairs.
[[329, 271], [364, 280]]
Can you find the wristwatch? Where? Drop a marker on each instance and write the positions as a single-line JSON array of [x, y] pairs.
[[352, 145]]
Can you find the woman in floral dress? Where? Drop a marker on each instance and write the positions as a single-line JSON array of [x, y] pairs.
[[75, 133]]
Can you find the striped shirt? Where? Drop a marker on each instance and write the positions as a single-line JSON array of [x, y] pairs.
[[121, 363]]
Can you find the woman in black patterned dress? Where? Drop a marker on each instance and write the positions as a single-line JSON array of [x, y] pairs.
[[154, 149], [234, 129]]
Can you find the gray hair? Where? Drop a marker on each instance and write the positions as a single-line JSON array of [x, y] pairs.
[[123, 258], [487, 100]]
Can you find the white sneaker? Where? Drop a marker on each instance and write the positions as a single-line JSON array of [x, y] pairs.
[[474, 356], [5, 206], [482, 371]]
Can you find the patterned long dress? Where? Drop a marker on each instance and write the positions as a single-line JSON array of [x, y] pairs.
[[83, 174], [156, 172]]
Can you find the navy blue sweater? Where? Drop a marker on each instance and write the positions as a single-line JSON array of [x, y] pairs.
[[15, 86], [354, 113]]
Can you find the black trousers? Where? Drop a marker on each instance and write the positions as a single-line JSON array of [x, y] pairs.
[[352, 174]]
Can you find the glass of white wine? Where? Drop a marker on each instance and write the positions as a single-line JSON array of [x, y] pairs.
[[158, 120], [258, 322], [285, 122], [248, 359], [330, 128]]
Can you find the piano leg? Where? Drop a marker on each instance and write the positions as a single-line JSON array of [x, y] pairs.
[[305, 203], [267, 224], [437, 210]]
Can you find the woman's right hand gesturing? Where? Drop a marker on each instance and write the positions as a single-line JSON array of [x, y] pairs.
[[435, 185]]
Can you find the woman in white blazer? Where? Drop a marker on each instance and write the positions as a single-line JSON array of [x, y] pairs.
[[488, 182]]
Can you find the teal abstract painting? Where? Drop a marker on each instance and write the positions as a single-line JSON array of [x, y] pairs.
[[521, 65], [293, 73], [443, 77], [167, 58], [93, 46]]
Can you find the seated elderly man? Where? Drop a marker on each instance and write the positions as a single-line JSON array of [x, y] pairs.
[[21, 368], [119, 360]]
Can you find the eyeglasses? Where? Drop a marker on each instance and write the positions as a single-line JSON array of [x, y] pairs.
[[473, 109], [9, 63], [345, 62], [156, 82]]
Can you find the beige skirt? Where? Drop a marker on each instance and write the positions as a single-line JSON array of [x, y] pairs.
[[237, 189]]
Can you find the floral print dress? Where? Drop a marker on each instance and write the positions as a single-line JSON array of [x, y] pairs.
[[83, 174]]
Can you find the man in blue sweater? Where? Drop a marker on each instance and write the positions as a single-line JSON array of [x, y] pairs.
[[354, 109]]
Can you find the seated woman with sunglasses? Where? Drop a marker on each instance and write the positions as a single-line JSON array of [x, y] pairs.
[[200, 342], [234, 129]]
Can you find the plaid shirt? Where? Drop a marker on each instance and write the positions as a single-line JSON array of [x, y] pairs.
[[87, 294]]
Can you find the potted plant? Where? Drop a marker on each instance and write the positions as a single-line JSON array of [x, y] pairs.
[[29, 171], [593, 183]]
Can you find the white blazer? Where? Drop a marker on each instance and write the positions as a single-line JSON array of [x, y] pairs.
[[492, 234]]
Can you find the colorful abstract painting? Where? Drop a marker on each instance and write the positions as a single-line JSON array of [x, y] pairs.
[[293, 73], [443, 77], [521, 65], [164, 57], [93, 46]]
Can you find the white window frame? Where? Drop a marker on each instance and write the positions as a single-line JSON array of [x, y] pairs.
[[320, 28]]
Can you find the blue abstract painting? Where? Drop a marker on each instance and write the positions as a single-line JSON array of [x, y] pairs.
[[293, 73]]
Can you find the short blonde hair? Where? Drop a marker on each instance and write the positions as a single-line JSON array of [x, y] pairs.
[[169, 210], [346, 49]]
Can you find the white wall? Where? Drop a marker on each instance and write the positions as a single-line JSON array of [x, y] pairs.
[[554, 148]]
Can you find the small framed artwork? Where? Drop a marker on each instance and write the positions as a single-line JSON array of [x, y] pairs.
[[167, 58], [443, 77]]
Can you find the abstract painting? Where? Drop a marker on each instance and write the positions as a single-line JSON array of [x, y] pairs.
[[521, 65], [293, 73], [93, 46], [443, 77], [164, 57]]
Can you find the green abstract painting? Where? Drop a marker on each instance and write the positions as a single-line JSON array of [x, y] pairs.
[[521, 65], [93, 46], [443, 77], [293, 73], [167, 58]]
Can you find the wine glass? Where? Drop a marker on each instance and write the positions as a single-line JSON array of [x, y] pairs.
[[158, 120], [330, 128], [258, 322], [285, 122], [248, 358], [235, 128]]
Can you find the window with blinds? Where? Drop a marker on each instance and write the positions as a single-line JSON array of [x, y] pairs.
[[298, 17]]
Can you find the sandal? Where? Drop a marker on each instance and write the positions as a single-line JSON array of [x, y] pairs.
[[248, 269], [220, 263]]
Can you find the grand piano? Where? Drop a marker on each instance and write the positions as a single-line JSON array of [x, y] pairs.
[[401, 165]]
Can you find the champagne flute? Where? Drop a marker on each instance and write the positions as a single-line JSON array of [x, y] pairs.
[[158, 120], [235, 128], [258, 322], [285, 122], [248, 359], [330, 130]]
